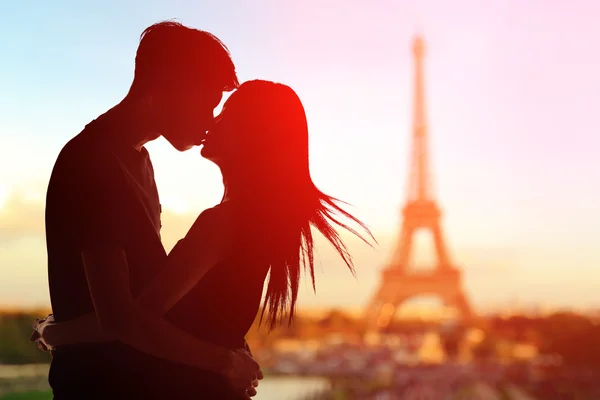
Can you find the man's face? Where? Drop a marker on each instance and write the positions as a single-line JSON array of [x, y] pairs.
[[186, 112]]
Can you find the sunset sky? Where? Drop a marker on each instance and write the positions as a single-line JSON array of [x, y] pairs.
[[513, 90]]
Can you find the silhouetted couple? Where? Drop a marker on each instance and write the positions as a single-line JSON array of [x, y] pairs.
[[130, 322]]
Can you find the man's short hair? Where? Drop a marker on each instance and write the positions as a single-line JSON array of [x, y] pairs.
[[169, 50]]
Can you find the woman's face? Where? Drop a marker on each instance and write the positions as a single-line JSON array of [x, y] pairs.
[[225, 141], [260, 127], [237, 132]]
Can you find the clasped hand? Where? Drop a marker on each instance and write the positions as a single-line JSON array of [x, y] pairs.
[[39, 335], [243, 373]]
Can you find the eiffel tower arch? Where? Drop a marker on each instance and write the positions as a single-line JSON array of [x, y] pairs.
[[399, 279]]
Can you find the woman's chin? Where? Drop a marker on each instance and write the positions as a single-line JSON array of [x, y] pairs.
[[207, 153]]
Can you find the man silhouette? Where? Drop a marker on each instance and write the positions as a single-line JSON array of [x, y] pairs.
[[103, 222]]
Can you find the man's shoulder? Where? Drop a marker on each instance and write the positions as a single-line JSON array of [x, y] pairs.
[[85, 154], [86, 148], [83, 168]]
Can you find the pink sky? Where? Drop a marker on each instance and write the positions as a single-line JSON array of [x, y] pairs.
[[512, 89]]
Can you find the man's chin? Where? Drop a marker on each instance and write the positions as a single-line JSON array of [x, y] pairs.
[[205, 153], [183, 144]]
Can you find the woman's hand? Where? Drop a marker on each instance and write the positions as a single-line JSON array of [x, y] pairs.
[[242, 373], [40, 334]]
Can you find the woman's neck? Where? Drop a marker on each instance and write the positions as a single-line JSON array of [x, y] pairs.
[[233, 192], [238, 186]]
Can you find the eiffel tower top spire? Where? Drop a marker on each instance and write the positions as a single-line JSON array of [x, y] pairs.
[[419, 188]]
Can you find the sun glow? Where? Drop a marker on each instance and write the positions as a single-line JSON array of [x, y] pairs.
[[3, 196]]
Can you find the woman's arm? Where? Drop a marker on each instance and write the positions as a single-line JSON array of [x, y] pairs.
[[207, 242], [189, 261], [119, 318], [108, 281]]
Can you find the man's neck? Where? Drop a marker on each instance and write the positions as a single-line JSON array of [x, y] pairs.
[[127, 126]]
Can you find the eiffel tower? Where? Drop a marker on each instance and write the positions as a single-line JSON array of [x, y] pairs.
[[400, 281]]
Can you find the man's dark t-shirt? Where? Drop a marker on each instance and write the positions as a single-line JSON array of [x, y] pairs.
[[100, 192]]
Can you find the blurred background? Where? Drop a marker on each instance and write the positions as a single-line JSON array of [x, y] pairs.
[[510, 91]]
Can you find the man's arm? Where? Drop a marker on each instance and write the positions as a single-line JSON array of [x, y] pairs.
[[85, 329], [259, 374]]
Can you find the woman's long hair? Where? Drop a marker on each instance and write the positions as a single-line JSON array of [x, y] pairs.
[[290, 205]]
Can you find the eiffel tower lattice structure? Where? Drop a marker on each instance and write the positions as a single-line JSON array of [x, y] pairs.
[[400, 281]]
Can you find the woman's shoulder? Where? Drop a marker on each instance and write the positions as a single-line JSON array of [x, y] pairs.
[[222, 213], [219, 220], [213, 231]]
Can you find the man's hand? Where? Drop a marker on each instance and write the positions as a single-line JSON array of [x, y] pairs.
[[259, 375], [38, 336], [243, 373], [251, 391]]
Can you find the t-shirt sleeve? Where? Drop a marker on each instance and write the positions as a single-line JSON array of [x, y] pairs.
[[101, 194]]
